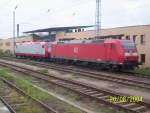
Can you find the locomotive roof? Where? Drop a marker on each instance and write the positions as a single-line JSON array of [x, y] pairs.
[[82, 41], [30, 43], [92, 41]]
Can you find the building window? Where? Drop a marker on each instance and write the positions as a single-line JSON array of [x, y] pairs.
[[79, 30], [119, 37], [75, 30], [134, 38], [128, 37], [69, 31], [143, 39], [143, 58], [7, 44]]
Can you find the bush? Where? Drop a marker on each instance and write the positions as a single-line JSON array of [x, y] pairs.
[[1, 53], [145, 71], [6, 53]]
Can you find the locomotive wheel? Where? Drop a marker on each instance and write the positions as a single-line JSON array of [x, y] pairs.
[[116, 68]]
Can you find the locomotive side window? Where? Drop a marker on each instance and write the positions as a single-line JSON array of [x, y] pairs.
[[49, 45]]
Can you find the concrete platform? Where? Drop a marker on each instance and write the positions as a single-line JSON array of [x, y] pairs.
[[3, 108]]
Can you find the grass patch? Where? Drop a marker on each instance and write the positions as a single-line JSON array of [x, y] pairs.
[[144, 71], [29, 107], [44, 71], [25, 85], [62, 91]]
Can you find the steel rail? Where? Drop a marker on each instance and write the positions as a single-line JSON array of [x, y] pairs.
[[7, 105], [81, 88]]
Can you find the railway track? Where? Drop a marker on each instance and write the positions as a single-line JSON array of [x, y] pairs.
[[125, 80], [17, 101], [126, 73], [99, 76], [92, 92]]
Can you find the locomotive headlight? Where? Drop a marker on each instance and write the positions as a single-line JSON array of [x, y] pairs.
[[127, 54], [135, 54]]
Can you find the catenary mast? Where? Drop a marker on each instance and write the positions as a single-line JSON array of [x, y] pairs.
[[98, 19]]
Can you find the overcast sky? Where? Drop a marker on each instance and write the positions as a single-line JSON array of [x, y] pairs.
[[37, 14]]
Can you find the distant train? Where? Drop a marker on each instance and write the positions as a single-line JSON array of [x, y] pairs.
[[106, 53]]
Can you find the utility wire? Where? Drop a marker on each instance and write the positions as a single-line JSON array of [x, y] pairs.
[[61, 10]]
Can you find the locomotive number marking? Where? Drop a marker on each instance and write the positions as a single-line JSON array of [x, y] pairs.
[[75, 50]]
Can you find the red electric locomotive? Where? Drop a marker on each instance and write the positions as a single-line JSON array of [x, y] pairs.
[[110, 53]]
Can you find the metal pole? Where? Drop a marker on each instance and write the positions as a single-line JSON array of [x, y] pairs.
[[14, 41], [18, 30], [98, 19]]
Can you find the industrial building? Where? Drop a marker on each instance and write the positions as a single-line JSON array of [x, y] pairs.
[[139, 34]]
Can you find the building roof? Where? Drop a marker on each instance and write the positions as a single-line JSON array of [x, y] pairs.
[[58, 29], [142, 25]]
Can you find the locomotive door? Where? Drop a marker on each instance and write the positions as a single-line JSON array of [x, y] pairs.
[[107, 51], [113, 53]]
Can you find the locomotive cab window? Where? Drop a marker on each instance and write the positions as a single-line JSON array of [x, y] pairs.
[[113, 46]]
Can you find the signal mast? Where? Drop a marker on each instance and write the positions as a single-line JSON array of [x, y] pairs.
[[98, 19]]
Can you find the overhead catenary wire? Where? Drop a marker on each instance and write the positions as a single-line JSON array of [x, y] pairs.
[[61, 10]]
